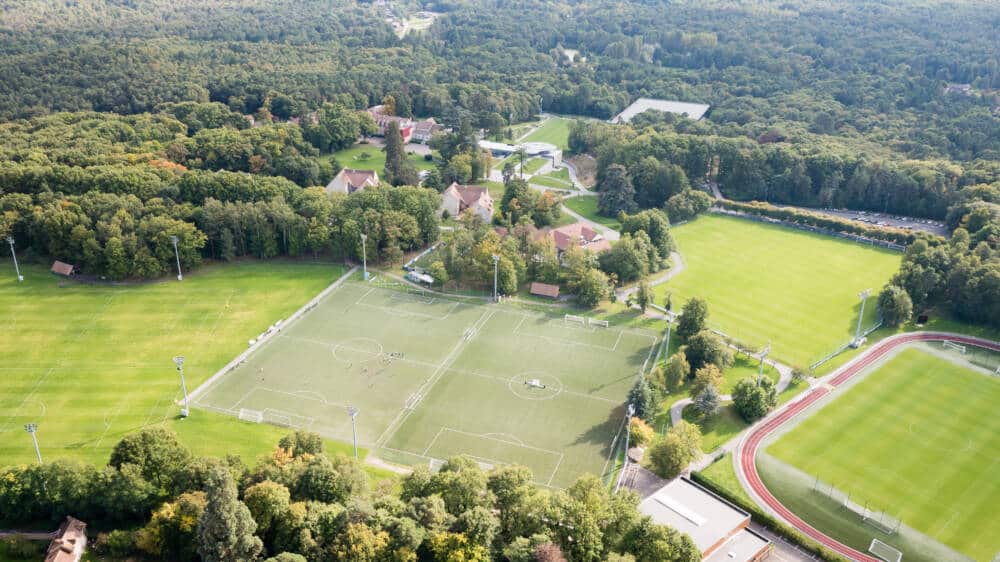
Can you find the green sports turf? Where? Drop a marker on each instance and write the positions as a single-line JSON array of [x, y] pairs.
[[434, 377], [554, 130], [90, 364], [352, 158], [766, 282], [919, 438]]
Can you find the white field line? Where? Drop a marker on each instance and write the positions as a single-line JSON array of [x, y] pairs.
[[433, 441], [405, 313], [614, 443], [425, 388], [26, 399], [504, 441], [335, 345], [506, 380], [555, 470], [203, 387], [617, 341]]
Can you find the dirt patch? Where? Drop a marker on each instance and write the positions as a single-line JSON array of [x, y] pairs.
[[586, 169]]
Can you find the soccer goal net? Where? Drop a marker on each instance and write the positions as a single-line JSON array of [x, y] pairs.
[[884, 551], [574, 318], [954, 346], [255, 416], [598, 323]]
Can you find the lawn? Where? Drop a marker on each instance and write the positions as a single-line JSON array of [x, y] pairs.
[[371, 157], [586, 206], [554, 130], [90, 364], [917, 439], [533, 165], [435, 377], [718, 429], [547, 181], [765, 282]]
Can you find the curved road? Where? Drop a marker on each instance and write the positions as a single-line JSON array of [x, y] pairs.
[[744, 458]]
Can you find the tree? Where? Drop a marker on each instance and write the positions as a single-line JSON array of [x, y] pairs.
[[708, 376], [226, 528], [616, 192], [591, 287], [753, 399], [707, 401], [642, 433], [156, 452], [398, 168], [687, 205], [677, 370], [170, 533], [659, 543], [642, 296], [694, 316], [894, 305], [643, 398], [456, 547], [706, 348], [676, 450]]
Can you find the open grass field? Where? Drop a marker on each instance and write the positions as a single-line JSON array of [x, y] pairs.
[[918, 439], [90, 364], [554, 130], [547, 181], [766, 282], [533, 165], [586, 206], [434, 377], [371, 157]]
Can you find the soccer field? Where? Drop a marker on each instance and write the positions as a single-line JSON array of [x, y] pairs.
[[435, 377], [764, 282], [919, 439], [91, 363]]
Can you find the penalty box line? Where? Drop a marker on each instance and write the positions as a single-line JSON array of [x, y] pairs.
[[517, 332], [439, 372], [490, 437], [396, 312]]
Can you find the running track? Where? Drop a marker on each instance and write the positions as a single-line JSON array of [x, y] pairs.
[[747, 451]]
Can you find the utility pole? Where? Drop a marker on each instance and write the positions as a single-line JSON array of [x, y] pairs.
[[31, 428], [763, 353], [666, 340], [496, 262], [179, 361], [863, 295], [353, 412], [175, 240], [628, 433], [17, 269], [364, 254]]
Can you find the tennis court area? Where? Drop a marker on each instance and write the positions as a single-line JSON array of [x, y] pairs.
[[434, 377]]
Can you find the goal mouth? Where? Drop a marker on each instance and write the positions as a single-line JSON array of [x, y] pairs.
[[884, 551], [252, 416]]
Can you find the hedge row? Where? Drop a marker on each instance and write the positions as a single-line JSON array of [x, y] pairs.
[[819, 220], [788, 533]]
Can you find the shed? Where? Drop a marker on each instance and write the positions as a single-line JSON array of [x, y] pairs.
[[545, 290], [70, 541], [60, 268]]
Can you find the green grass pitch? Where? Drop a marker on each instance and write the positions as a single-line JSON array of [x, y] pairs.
[[90, 364], [554, 130], [434, 377], [766, 282], [919, 439]]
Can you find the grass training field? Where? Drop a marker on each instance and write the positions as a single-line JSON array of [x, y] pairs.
[[90, 363], [355, 158], [766, 282], [554, 130], [434, 377], [919, 438]]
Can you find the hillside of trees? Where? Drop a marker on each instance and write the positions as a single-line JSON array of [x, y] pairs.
[[157, 501]]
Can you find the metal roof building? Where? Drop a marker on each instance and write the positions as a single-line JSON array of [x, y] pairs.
[[692, 110]]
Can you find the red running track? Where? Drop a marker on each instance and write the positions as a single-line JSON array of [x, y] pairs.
[[751, 443]]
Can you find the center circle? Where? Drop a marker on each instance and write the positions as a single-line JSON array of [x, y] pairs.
[[357, 350], [535, 385]]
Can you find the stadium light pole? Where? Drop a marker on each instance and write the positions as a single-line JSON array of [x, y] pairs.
[[763, 353], [666, 340], [628, 433], [179, 361], [17, 268], [353, 412], [364, 254], [863, 295], [177, 255], [496, 262], [31, 428]]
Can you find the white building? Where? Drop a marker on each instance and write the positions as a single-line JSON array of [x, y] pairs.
[[690, 110], [456, 199]]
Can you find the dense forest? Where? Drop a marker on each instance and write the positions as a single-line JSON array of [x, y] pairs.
[[156, 500]]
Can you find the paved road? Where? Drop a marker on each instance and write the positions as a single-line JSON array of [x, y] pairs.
[[746, 453]]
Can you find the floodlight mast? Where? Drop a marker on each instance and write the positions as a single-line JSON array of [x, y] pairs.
[[353, 412], [177, 255], [364, 255], [179, 361], [17, 268], [763, 353], [628, 433], [863, 295], [31, 428], [496, 262]]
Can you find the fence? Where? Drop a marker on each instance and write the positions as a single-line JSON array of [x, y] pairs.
[[881, 521], [814, 229]]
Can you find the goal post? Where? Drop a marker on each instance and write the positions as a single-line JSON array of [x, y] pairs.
[[599, 323], [885, 551], [954, 346], [252, 416], [575, 318]]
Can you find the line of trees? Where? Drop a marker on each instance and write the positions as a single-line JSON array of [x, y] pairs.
[[156, 500]]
